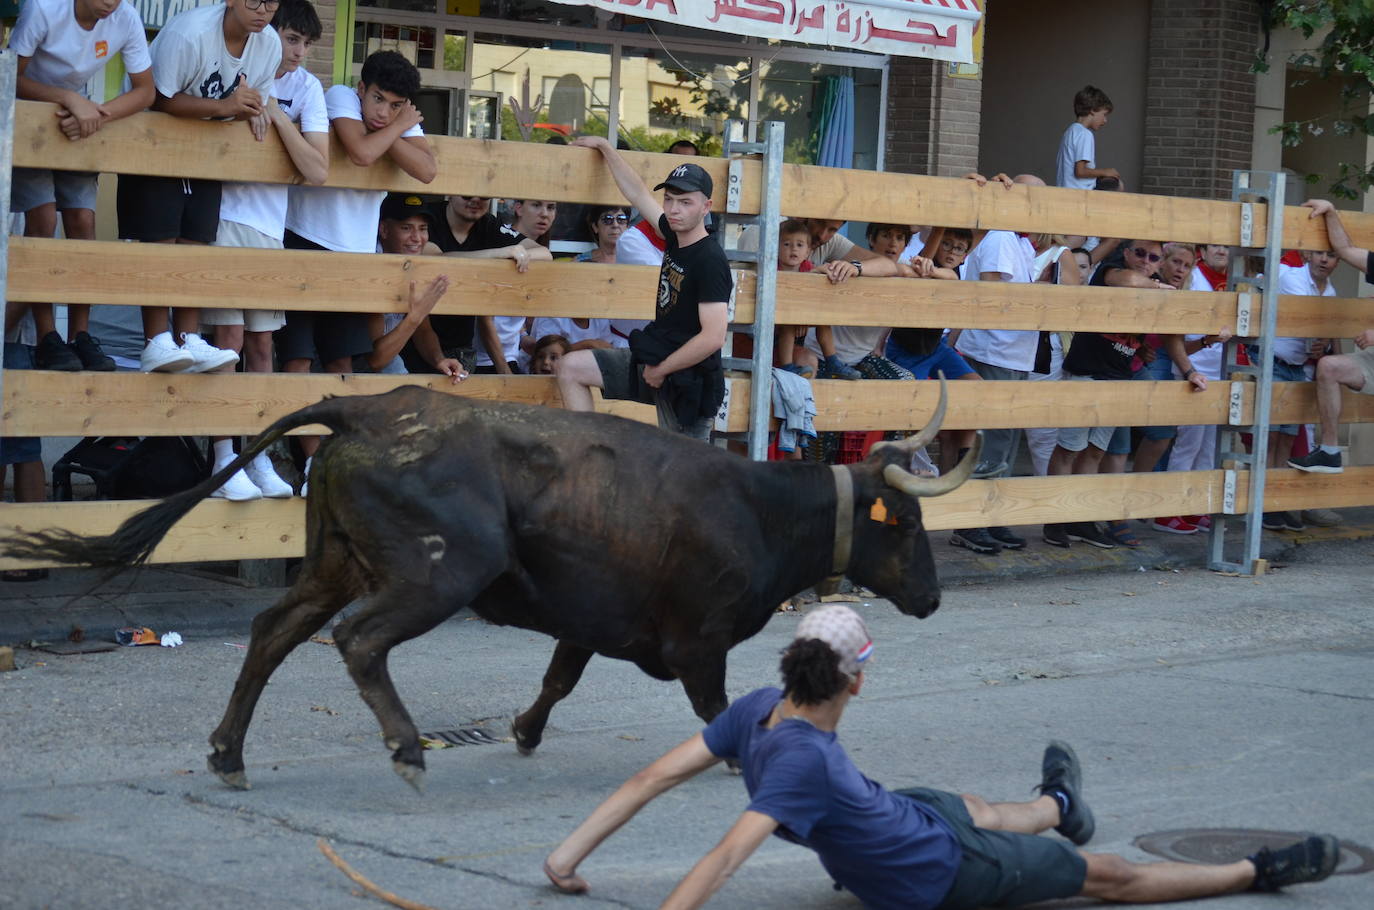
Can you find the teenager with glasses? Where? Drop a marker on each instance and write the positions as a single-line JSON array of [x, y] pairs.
[[607, 223]]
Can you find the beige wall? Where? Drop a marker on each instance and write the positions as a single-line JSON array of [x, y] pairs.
[[1036, 57]]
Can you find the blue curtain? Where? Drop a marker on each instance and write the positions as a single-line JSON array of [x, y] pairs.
[[832, 132]]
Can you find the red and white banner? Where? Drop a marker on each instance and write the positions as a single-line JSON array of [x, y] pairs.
[[937, 29]]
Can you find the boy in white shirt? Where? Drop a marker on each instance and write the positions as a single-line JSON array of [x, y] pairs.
[[209, 63], [253, 215], [375, 119], [1078, 168], [61, 44]]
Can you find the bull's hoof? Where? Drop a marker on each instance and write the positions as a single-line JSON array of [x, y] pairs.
[[525, 745], [411, 774], [228, 769]]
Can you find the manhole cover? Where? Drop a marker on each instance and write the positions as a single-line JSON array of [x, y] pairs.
[[1226, 845]]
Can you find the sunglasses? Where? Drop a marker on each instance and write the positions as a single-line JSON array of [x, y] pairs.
[[1146, 254], [612, 218]]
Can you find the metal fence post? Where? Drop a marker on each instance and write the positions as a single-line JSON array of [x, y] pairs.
[[1246, 186], [766, 292], [9, 75]]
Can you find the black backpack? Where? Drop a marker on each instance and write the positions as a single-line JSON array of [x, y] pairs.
[[131, 468]]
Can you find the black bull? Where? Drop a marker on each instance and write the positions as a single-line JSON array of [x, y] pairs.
[[611, 536]]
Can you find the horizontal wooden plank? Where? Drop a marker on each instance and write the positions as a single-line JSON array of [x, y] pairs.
[[152, 143], [274, 528], [39, 403]]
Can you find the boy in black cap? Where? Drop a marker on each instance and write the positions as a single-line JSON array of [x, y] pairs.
[[674, 361]]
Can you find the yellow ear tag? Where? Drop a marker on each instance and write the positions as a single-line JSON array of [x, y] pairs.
[[878, 511]]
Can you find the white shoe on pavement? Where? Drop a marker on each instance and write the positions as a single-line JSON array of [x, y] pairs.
[[264, 476], [238, 488], [162, 355], [206, 357]]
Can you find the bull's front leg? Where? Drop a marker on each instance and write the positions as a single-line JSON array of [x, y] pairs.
[[565, 669]]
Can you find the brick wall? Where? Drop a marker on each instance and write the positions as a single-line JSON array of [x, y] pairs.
[[321, 59], [1200, 96], [932, 119]]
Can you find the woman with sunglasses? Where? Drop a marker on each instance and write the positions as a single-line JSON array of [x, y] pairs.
[[607, 223]]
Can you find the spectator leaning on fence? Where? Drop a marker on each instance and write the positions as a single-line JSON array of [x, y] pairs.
[[376, 120], [61, 44], [213, 62], [253, 216], [674, 362], [1354, 371]]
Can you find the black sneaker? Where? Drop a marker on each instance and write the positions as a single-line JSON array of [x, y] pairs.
[[1318, 462], [1088, 533], [1056, 536], [52, 353], [976, 539], [1292, 522], [1274, 521], [1008, 540], [92, 357], [1059, 772], [1308, 860]]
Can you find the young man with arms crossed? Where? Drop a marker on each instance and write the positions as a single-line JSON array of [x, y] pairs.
[[372, 121], [253, 216], [917, 848], [61, 44], [674, 361], [1354, 371], [210, 63]]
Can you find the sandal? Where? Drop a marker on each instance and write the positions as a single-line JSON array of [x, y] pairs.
[[1120, 531], [23, 575]]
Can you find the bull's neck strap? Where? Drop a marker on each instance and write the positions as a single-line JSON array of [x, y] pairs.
[[844, 520]]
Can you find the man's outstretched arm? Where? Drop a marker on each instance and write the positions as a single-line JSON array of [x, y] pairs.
[[1335, 233], [679, 764], [629, 182], [715, 868]]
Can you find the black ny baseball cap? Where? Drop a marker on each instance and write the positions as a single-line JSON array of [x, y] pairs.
[[400, 206], [689, 178]]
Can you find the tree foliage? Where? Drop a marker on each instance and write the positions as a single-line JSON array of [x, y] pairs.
[[1343, 51]]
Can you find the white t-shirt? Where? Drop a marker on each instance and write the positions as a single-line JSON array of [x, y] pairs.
[[1297, 280], [339, 219], [596, 330], [63, 54], [1011, 256], [508, 329], [1077, 145], [1198, 281], [633, 248], [189, 57], [262, 206]]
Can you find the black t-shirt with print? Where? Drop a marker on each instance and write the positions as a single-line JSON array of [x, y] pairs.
[[1101, 356], [690, 275], [456, 332]]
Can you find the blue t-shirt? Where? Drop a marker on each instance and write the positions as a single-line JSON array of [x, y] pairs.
[[890, 851]]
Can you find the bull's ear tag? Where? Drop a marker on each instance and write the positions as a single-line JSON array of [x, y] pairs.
[[878, 511]]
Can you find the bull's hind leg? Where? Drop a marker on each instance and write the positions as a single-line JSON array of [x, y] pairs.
[[317, 596], [397, 613], [565, 669]]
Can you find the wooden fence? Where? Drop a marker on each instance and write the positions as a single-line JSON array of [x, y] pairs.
[[80, 404]]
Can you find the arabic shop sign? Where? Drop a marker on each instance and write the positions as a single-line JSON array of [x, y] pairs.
[[937, 29]]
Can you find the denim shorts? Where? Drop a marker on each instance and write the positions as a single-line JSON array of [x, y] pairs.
[[1161, 369], [943, 359], [19, 449], [32, 187], [1287, 372]]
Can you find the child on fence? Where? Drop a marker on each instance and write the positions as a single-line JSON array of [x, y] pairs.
[[1078, 148], [375, 120], [253, 215], [794, 248], [61, 44], [209, 63], [548, 350]]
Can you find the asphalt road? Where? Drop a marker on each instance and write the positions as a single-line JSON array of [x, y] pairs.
[[1194, 700]]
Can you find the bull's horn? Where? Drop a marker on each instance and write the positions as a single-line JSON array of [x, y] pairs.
[[907, 482], [914, 443]]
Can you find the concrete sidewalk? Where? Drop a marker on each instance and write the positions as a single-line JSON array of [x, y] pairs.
[[209, 598]]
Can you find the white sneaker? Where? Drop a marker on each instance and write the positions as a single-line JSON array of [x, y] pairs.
[[238, 488], [162, 355], [205, 356], [265, 478]]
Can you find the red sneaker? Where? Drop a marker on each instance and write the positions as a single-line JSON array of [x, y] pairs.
[[1175, 525], [1203, 522]]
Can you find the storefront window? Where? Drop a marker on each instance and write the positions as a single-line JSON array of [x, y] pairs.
[[795, 92], [666, 96], [410, 6], [527, 11], [415, 43], [559, 88]]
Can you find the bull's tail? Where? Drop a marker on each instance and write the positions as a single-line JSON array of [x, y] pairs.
[[134, 541]]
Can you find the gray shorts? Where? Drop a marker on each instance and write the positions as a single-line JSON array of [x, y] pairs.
[[618, 384], [1002, 868], [1076, 439], [32, 187], [1365, 359], [232, 233]]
